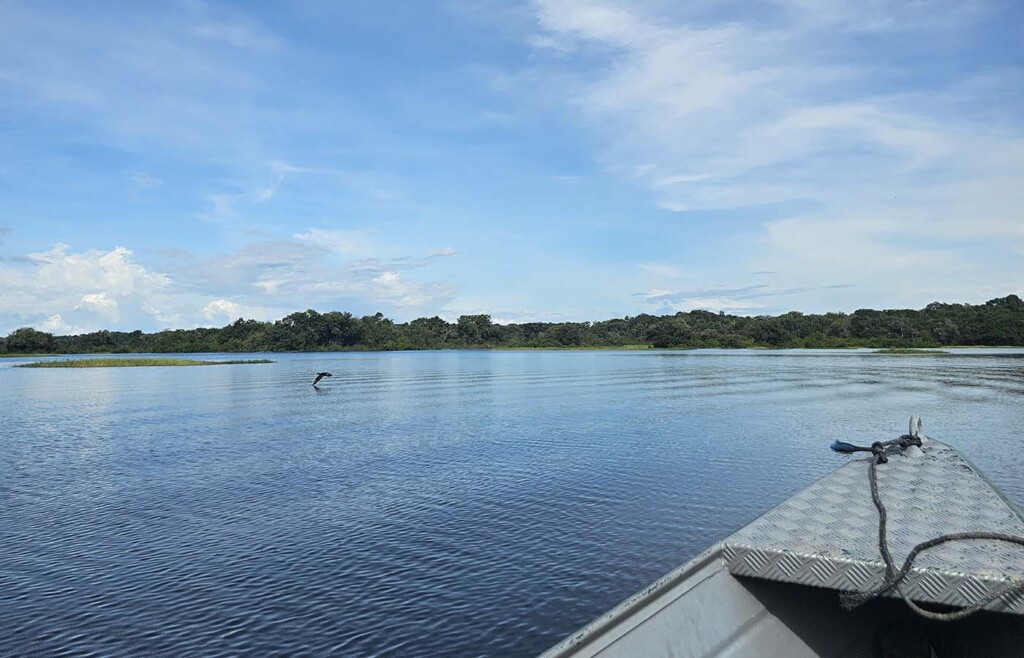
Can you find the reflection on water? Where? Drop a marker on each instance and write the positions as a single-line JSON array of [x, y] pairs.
[[437, 503]]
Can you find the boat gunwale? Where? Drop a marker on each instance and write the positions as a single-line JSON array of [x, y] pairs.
[[599, 627]]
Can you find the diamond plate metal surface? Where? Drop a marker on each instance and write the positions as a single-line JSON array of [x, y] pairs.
[[827, 535]]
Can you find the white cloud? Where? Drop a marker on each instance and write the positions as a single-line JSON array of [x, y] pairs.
[[263, 280], [408, 297], [92, 289], [355, 243], [710, 109], [514, 308], [753, 112], [749, 300], [221, 308], [270, 286], [223, 311], [396, 289], [114, 272], [166, 318], [99, 302], [56, 325]]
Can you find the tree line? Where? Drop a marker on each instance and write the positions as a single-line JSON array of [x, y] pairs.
[[996, 322]]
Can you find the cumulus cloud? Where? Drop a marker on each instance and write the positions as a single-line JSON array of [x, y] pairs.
[[55, 325], [101, 303], [221, 308], [64, 289], [396, 289], [222, 311], [67, 290], [113, 272]]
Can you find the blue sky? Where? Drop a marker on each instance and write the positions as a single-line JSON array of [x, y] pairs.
[[187, 163]]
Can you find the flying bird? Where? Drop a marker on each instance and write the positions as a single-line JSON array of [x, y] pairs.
[[321, 375]]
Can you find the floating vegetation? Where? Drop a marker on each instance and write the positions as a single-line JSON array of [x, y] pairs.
[[133, 363], [908, 350]]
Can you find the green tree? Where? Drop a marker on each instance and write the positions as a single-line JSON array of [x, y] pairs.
[[378, 332], [475, 329], [670, 332], [27, 340], [426, 333]]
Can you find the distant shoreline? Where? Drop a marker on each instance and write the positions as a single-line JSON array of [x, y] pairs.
[[996, 322], [135, 363], [126, 356]]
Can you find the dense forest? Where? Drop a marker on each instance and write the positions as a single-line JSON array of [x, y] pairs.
[[997, 322]]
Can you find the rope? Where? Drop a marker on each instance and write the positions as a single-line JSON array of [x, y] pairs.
[[894, 578]]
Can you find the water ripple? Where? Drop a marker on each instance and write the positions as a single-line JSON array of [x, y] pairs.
[[423, 504]]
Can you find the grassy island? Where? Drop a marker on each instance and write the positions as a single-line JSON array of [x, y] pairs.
[[132, 363], [908, 350]]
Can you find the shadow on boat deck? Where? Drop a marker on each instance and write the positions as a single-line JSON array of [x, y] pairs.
[[883, 628]]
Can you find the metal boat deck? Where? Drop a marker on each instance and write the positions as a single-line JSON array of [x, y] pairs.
[[827, 535]]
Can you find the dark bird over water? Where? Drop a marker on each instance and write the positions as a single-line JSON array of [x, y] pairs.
[[321, 375]]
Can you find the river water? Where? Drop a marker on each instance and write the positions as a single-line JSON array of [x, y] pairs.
[[425, 503]]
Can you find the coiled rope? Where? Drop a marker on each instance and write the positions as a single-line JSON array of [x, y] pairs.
[[893, 578]]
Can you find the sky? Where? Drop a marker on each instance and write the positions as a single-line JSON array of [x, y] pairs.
[[187, 163]]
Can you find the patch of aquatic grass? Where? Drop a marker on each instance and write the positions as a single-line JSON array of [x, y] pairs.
[[131, 363], [907, 350], [573, 348]]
